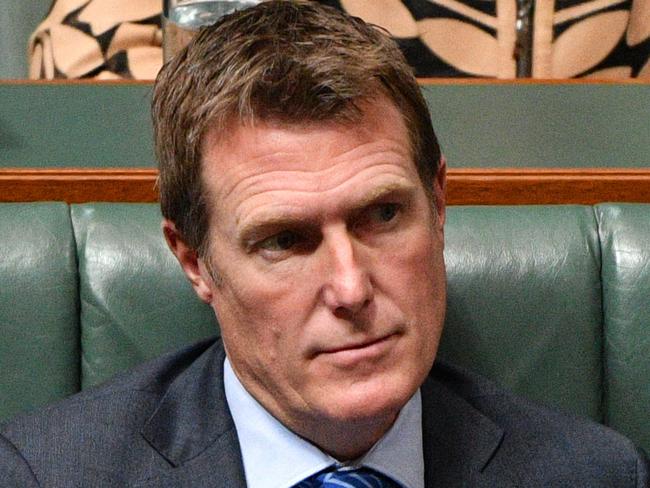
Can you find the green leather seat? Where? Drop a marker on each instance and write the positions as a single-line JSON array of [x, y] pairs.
[[506, 296], [550, 301], [524, 301], [135, 301]]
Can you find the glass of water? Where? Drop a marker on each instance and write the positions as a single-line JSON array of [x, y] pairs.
[[183, 18]]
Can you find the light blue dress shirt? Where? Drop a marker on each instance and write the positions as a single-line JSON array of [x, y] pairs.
[[275, 457]]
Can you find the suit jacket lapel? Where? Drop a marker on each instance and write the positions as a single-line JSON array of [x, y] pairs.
[[193, 430], [459, 441]]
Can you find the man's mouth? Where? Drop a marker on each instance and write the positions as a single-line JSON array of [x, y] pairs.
[[359, 345], [354, 352]]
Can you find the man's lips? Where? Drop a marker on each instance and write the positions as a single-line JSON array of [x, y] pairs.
[[356, 346], [369, 349]]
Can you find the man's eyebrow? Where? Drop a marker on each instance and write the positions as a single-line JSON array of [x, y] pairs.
[[262, 225], [386, 192]]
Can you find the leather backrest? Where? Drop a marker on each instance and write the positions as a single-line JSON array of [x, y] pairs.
[[39, 327], [135, 301], [524, 301], [625, 238], [524, 297]]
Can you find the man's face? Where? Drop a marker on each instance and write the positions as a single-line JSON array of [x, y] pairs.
[[329, 257]]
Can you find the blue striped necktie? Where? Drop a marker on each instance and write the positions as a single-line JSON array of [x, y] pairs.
[[346, 477]]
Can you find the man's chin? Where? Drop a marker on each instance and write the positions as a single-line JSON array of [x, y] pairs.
[[348, 426], [364, 405]]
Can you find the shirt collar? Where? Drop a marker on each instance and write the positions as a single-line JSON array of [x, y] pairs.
[[275, 457]]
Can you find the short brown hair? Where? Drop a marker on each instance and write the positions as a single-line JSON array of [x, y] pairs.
[[285, 61]]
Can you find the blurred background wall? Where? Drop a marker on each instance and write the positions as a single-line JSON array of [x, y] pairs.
[[18, 20]]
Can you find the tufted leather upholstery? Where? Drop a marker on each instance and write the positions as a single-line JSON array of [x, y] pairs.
[[550, 301]]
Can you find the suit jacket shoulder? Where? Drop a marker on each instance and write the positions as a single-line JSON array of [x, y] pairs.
[[484, 435], [152, 426]]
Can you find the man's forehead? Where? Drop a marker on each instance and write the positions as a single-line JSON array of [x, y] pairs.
[[322, 156], [250, 163], [369, 116]]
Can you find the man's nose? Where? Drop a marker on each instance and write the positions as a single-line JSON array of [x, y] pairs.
[[348, 287]]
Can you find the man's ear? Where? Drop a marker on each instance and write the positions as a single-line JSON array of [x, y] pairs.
[[440, 190], [189, 260]]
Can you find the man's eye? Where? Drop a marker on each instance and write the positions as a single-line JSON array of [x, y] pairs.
[[385, 212], [282, 241]]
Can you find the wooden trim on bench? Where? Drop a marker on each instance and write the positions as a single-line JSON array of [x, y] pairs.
[[78, 185], [547, 186], [465, 186]]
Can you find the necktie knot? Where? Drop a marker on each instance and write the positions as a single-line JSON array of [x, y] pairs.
[[346, 477]]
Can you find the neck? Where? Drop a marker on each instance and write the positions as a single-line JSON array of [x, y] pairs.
[[345, 441]]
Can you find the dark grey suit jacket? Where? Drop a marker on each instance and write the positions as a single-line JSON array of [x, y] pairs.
[[167, 424]]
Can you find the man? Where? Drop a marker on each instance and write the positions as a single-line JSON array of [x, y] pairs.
[[302, 190]]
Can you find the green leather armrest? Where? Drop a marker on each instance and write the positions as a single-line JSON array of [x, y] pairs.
[[135, 301], [39, 350]]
